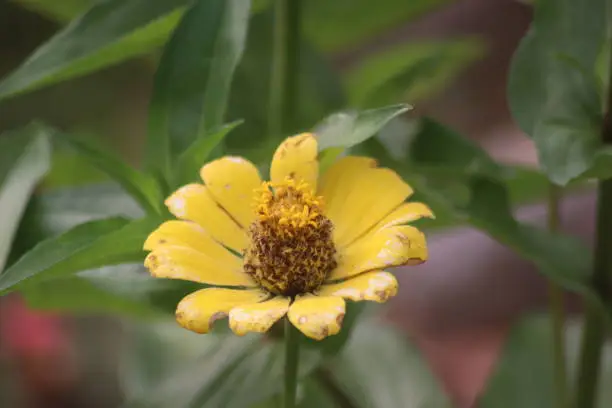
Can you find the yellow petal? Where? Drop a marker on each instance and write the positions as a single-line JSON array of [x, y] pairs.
[[393, 246], [188, 234], [232, 181], [198, 311], [296, 158], [176, 262], [405, 213], [317, 316], [377, 286], [257, 317], [194, 202], [358, 195]]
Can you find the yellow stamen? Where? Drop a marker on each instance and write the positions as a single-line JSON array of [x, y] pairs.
[[291, 249]]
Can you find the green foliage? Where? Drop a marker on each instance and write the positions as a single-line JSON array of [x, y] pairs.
[[379, 369], [193, 79], [109, 32], [408, 72], [209, 371], [141, 186], [24, 159], [553, 91], [86, 246]]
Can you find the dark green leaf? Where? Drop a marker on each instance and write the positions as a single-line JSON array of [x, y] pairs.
[[109, 32], [380, 369], [323, 19], [552, 89], [347, 129], [62, 10], [24, 159], [86, 246], [408, 72], [193, 80], [142, 187], [192, 159]]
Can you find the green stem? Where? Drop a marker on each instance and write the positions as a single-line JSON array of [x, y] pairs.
[[594, 334], [285, 63], [556, 309], [292, 352]]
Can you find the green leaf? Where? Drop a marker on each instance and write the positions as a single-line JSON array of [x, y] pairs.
[[472, 190], [349, 128], [379, 369], [62, 10], [109, 32], [553, 92], [322, 17], [86, 246], [192, 159], [24, 159], [205, 370], [320, 91], [141, 186], [523, 376], [408, 72], [53, 212], [123, 289], [193, 79]]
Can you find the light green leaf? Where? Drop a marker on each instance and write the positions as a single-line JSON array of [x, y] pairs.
[[193, 79], [192, 159], [24, 159], [349, 128], [408, 72], [86, 246], [553, 92], [141, 186], [322, 17], [109, 32], [380, 369]]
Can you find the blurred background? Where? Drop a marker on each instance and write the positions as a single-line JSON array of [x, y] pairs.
[[457, 308]]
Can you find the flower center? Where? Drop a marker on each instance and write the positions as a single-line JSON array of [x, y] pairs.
[[291, 249]]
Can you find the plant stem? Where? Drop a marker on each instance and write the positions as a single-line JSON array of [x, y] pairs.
[[292, 352], [594, 334], [285, 63], [556, 309]]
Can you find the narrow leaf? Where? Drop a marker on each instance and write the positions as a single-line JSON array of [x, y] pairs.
[[193, 80], [141, 186], [24, 159], [89, 245], [109, 32]]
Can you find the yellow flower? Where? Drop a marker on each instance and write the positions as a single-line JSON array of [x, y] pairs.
[[297, 245]]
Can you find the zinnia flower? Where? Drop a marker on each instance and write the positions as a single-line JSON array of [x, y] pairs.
[[298, 245]]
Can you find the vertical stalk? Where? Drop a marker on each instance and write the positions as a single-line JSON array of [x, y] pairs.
[[292, 351], [283, 106], [285, 66], [556, 309], [594, 334]]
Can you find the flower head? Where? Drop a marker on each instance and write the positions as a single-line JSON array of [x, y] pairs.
[[298, 245]]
